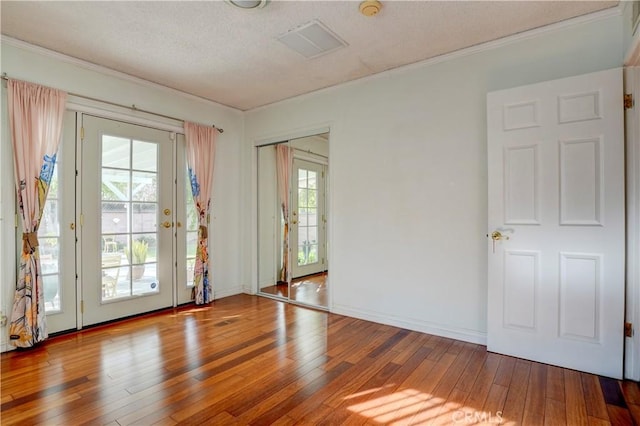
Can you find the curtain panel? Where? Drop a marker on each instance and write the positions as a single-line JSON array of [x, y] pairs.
[[284, 160], [201, 144], [35, 121]]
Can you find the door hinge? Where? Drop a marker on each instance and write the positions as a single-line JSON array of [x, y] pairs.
[[81, 219], [323, 260], [628, 329], [628, 100], [16, 222], [82, 133]]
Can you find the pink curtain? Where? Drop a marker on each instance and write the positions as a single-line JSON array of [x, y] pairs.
[[201, 148], [284, 158], [35, 119]]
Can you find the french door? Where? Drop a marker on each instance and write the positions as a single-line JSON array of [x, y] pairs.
[[57, 234], [127, 219], [308, 228]]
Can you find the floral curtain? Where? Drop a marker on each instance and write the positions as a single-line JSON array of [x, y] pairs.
[[201, 148], [284, 158], [35, 120]]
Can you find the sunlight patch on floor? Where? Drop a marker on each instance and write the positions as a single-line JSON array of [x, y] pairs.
[[411, 406]]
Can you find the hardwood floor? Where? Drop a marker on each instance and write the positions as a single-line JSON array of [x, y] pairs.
[[252, 360]]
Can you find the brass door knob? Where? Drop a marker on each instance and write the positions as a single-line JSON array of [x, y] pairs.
[[497, 235], [166, 224]]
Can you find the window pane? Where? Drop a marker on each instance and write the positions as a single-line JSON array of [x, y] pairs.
[[312, 218], [144, 217], [145, 186], [190, 268], [313, 234], [53, 185], [49, 225], [192, 241], [313, 254], [51, 287], [115, 185], [145, 156], [302, 178], [114, 218], [302, 197], [145, 279], [115, 152], [312, 179], [49, 255]]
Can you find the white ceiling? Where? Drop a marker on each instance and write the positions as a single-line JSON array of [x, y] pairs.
[[228, 55]]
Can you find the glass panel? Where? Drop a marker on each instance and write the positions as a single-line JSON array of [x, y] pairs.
[[190, 267], [302, 178], [145, 279], [49, 224], [192, 241], [114, 217], [192, 217], [302, 236], [312, 217], [313, 254], [313, 234], [115, 184], [312, 197], [302, 217], [53, 185], [115, 152], [145, 156], [302, 197], [144, 187], [143, 249], [49, 255], [51, 287], [144, 217], [114, 283], [312, 179]]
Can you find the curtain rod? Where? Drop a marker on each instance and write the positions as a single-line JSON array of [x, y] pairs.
[[131, 107]]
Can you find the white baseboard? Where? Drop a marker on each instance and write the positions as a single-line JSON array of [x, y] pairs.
[[220, 293], [441, 330]]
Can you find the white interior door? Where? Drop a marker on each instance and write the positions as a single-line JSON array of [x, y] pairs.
[[556, 191], [127, 234], [307, 240]]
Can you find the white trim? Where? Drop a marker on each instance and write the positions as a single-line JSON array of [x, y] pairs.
[[303, 132], [467, 51], [105, 110], [632, 344], [107, 71], [436, 329], [633, 54]]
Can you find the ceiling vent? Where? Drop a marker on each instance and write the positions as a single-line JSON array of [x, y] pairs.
[[311, 40]]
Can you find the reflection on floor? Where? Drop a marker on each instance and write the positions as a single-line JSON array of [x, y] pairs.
[[311, 290]]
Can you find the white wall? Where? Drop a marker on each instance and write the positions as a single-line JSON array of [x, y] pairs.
[[23, 62], [408, 173]]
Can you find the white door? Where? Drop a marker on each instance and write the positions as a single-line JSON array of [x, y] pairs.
[[57, 234], [127, 233], [187, 227], [556, 191], [307, 218]]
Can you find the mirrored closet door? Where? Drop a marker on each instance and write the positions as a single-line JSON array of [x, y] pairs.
[[292, 220]]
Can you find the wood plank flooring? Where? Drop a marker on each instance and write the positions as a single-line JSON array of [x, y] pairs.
[[251, 360]]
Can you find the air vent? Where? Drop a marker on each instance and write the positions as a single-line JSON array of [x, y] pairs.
[[311, 40]]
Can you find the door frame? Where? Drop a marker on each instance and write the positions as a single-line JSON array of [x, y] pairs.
[[632, 344]]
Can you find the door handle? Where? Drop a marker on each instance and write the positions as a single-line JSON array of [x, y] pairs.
[[497, 235], [166, 224], [294, 221]]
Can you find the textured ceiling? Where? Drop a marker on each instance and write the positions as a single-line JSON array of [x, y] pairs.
[[231, 56]]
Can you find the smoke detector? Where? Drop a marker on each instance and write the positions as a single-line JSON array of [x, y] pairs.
[[370, 7]]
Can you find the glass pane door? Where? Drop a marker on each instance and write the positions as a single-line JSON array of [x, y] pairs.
[[127, 205], [56, 235], [307, 229]]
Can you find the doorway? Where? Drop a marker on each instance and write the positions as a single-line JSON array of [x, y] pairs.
[[117, 231]]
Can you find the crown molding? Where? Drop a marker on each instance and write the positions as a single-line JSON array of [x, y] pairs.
[[467, 51], [10, 41]]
